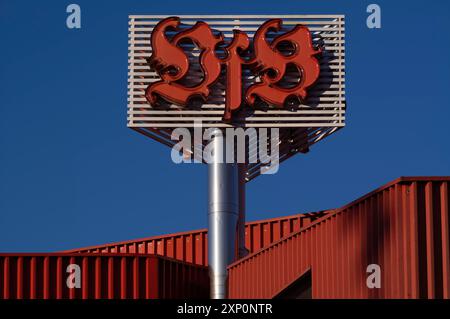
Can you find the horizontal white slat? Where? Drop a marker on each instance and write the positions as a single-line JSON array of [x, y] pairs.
[[311, 93], [139, 73], [147, 49], [315, 88], [247, 119], [310, 99], [147, 55], [221, 124], [241, 22], [221, 107], [256, 112], [325, 41], [324, 35], [195, 73], [227, 17], [153, 79], [324, 61], [246, 29]]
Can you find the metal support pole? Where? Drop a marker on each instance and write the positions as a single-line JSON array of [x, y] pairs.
[[223, 215], [242, 251]]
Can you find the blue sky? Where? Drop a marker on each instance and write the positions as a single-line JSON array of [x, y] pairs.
[[72, 174]]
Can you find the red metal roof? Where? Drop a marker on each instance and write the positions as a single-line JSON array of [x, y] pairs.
[[103, 276], [192, 246], [401, 226]]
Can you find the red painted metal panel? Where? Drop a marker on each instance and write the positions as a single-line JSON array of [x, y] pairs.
[[193, 246], [103, 276], [444, 214], [403, 227]]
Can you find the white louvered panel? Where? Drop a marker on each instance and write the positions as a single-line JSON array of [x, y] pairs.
[[328, 28]]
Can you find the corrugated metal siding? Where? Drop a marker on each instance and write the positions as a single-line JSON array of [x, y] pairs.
[[44, 276], [403, 227], [193, 246]]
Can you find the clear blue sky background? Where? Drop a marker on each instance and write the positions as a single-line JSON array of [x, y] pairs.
[[72, 174]]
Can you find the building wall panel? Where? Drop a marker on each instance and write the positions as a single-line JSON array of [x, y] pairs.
[[402, 227], [103, 276], [192, 246]]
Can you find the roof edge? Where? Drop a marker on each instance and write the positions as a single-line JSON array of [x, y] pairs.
[[189, 232], [77, 255], [331, 213]]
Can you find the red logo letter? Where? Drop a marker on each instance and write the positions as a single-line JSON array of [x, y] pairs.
[[271, 64], [172, 63]]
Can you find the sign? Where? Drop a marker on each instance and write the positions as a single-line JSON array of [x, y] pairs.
[[266, 71]]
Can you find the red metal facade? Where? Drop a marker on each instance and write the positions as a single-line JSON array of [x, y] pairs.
[[403, 227], [193, 246], [110, 276]]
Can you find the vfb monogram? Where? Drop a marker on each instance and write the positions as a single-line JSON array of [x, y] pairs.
[[265, 60]]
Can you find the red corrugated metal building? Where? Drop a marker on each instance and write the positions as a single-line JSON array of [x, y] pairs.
[[103, 276], [192, 247], [402, 227]]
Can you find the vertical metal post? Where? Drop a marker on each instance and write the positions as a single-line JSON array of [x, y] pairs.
[[242, 251], [223, 215]]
